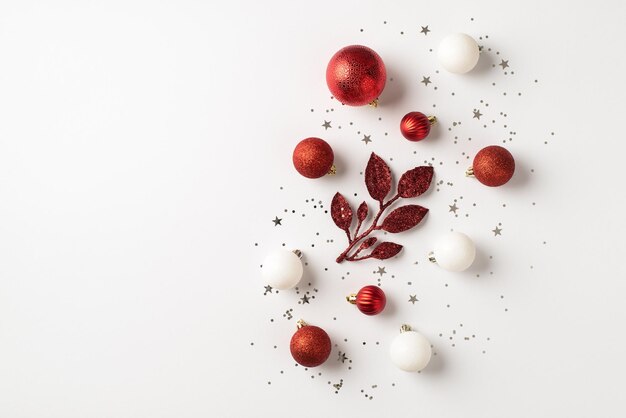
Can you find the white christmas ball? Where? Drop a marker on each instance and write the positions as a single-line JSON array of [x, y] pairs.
[[454, 251], [410, 351], [282, 269], [458, 53]]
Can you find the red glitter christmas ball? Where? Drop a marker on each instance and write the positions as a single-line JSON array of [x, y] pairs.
[[310, 346], [370, 300], [313, 158], [493, 166], [415, 126], [356, 75]]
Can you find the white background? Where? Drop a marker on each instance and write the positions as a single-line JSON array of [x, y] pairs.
[[142, 147]]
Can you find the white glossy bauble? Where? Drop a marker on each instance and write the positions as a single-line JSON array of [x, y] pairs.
[[458, 53], [282, 269], [410, 351], [454, 251]]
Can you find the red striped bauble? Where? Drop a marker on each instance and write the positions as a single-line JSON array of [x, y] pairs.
[[370, 300], [415, 126]]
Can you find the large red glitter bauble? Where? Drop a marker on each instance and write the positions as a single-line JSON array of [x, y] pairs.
[[310, 346], [493, 166], [313, 157], [415, 126], [371, 300], [356, 75]]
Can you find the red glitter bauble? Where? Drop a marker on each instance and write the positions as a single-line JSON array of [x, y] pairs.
[[356, 75], [370, 300], [310, 346], [493, 166], [313, 158], [415, 126]]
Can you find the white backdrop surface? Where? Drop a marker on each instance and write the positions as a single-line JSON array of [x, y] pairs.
[[145, 148]]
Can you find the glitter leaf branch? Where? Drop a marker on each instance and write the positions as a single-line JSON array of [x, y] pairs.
[[378, 182]]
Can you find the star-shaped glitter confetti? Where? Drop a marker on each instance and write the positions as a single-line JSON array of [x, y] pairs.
[[453, 208], [268, 289], [425, 30], [381, 271], [326, 125], [426, 81], [277, 221], [304, 299], [342, 357], [477, 114], [504, 64], [413, 299], [497, 231], [366, 139], [338, 385]]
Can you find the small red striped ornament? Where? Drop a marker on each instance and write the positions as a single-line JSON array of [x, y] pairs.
[[370, 300], [415, 126]]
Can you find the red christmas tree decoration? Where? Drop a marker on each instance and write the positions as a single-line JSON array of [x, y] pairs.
[[415, 126], [378, 182], [493, 166], [356, 75], [310, 346], [370, 300], [313, 158]]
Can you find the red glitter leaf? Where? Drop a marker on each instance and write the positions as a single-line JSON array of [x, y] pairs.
[[367, 243], [404, 218], [377, 178], [341, 212], [361, 212], [385, 250], [415, 182]]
